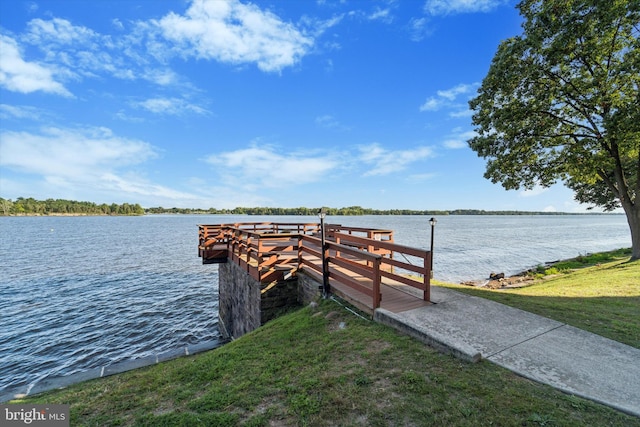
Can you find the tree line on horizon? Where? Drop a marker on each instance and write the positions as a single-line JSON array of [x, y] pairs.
[[31, 206], [345, 211]]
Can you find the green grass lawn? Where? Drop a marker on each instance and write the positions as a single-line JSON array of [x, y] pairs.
[[599, 293], [332, 368]]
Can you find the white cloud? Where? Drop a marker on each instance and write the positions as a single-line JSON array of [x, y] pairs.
[[418, 29], [170, 106], [328, 68], [421, 177], [229, 31], [259, 167], [18, 112], [431, 104], [452, 94], [327, 121], [117, 24], [134, 185], [225, 31], [89, 163], [71, 154], [18, 75], [263, 167], [314, 27], [550, 209], [458, 139], [161, 77], [461, 113], [330, 122], [535, 191], [384, 162], [448, 99], [62, 32], [446, 7], [380, 14], [454, 143], [79, 52], [122, 115]]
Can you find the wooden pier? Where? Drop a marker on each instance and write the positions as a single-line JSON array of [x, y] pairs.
[[363, 266]]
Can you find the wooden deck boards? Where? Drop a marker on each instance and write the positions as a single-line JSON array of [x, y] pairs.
[[393, 299], [396, 297]]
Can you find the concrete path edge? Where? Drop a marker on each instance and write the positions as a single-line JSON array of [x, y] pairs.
[[463, 352]]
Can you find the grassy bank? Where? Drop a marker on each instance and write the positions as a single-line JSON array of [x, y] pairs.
[[599, 293], [330, 367]]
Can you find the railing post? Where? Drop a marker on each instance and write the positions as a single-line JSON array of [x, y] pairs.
[[427, 277], [260, 259], [325, 269], [236, 245], [377, 296], [325, 254], [248, 243]]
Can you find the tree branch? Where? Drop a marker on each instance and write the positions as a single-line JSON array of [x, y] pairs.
[[580, 108], [611, 184]]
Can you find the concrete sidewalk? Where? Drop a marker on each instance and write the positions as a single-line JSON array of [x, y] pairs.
[[550, 352]]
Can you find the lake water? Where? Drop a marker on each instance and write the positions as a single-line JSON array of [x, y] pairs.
[[82, 292]]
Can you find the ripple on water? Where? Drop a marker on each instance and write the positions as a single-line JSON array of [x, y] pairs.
[[79, 293], [74, 299]]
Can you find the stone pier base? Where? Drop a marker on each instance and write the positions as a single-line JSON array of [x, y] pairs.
[[246, 304]]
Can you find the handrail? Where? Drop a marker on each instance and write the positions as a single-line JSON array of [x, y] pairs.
[[375, 234], [266, 227], [390, 261], [355, 261], [338, 263]]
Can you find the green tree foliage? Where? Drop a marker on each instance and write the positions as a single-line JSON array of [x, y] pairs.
[[351, 210], [30, 206], [561, 102]]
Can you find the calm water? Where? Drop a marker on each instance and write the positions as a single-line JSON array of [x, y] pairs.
[[82, 292]]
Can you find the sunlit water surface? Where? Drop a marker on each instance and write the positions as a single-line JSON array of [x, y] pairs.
[[82, 292]]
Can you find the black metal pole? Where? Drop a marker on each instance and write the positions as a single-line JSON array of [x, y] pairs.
[[325, 266], [432, 221]]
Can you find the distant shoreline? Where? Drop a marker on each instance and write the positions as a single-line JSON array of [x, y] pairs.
[[61, 207], [66, 214], [445, 213]]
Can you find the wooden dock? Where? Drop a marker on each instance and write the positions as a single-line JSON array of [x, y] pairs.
[[362, 266]]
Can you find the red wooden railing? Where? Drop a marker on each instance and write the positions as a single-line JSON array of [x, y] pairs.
[[355, 268], [356, 257]]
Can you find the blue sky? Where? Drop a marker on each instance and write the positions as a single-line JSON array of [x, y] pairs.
[[270, 103]]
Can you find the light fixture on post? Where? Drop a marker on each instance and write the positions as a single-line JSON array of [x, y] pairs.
[[432, 223], [322, 213]]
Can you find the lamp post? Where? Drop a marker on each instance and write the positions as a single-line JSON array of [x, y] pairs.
[[432, 223], [325, 267]]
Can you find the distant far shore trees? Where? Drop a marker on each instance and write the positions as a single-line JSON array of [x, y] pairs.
[[30, 206], [350, 211]]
